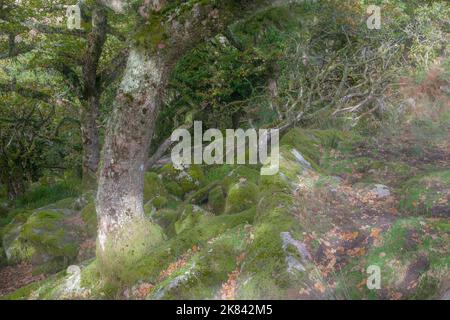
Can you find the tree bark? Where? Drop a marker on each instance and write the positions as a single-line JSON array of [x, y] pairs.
[[15, 189], [124, 234], [90, 140], [91, 96]]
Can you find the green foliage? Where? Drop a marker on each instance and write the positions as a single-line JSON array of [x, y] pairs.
[[41, 195]]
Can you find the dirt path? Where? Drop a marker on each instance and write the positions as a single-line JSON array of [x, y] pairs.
[[349, 220]]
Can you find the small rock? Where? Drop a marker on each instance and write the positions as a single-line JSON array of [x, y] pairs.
[[381, 191], [73, 269], [300, 159]]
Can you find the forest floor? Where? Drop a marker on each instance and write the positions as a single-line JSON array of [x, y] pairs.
[[353, 218], [17, 276], [376, 200]]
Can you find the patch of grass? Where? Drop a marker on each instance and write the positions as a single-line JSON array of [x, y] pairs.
[[423, 193], [401, 247], [41, 195]]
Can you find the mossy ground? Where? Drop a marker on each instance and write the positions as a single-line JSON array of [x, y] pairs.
[[309, 231], [413, 257]]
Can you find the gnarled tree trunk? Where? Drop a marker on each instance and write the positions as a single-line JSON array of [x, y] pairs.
[[124, 234]]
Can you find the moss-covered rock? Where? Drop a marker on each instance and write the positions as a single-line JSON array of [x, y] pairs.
[[218, 172], [45, 239], [153, 186], [181, 182], [189, 217], [215, 261], [166, 218], [241, 196], [159, 202], [277, 264], [174, 188], [216, 200], [238, 173], [207, 228], [89, 217], [202, 275], [312, 143], [289, 171], [276, 261], [201, 196]]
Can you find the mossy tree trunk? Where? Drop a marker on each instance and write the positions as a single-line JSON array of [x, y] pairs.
[[124, 234]]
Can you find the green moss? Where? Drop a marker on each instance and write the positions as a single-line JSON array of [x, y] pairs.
[[44, 240], [312, 143], [183, 181], [89, 217], [249, 173], [425, 193], [120, 251], [41, 195], [287, 176], [216, 200], [408, 240], [189, 217], [241, 196], [19, 219], [170, 202], [218, 173], [159, 202], [266, 273], [91, 278], [174, 188], [161, 256], [203, 274], [201, 196], [151, 34], [166, 218], [153, 186], [44, 229]]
